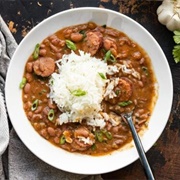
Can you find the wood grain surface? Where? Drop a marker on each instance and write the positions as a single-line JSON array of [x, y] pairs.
[[21, 16]]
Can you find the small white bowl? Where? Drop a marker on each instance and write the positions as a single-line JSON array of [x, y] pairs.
[[74, 162]]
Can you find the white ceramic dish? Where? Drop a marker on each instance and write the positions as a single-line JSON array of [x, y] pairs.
[[72, 162]]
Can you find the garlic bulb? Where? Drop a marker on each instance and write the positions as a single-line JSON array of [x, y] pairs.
[[169, 14]]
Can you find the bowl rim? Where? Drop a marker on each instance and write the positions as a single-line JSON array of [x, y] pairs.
[[93, 170]]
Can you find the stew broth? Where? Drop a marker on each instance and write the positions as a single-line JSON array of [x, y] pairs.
[[135, 90]]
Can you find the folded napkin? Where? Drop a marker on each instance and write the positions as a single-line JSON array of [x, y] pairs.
[[19, 163]]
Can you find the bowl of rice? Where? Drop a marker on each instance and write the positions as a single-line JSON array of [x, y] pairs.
[[66, 83]]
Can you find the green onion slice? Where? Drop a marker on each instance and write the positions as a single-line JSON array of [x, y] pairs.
[[125, 103], [78, 92], [83, 32], [23, 83], [70, 45], [112, 59], [117, 92], [108, 135], [145, 70], [99, 136], [51, 114], [62, 140], [103, 76], [109, 57], [35, 105], [93, 147], [36, 51]]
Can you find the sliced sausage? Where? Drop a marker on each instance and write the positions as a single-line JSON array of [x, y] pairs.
[[92, 42], [126, 90], [82, 132], [123, 91], [44, 66]]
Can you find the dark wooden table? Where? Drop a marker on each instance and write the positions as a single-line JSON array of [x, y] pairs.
[[22, 15]]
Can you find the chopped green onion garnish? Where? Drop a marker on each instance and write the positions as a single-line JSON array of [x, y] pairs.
[[83, 33], [112, 59], [23, 83], [109, 57], [103, 76], [51, 114], [35, 105], [51, 82], [62, 140], [99, 136], [36, 51], [108, 135], [125, 103], [78, 92], [117, 92], [42, 92], [70, 45], [93, 147], [145, 70]]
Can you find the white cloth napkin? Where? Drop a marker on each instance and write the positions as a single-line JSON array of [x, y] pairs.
[[7, 47], [19, 162]]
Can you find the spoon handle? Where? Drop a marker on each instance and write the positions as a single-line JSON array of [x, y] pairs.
[[139, 147]]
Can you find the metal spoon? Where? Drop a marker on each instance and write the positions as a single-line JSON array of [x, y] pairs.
[[139, 147]]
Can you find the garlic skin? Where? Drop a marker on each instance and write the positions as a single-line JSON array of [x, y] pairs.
[[169, 14]]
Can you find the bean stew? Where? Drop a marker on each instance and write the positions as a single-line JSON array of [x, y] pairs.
[[128, 84]]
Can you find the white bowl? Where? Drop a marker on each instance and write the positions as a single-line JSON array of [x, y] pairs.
[[73, 162]]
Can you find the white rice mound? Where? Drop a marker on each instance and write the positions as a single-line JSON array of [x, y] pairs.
[[82, 73], [86, 75]]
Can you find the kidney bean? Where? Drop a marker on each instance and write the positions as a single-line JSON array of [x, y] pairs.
[[25, 98], [30, 114], [27, 105], [91, 25], [55, 41], [142, 121], [59, 55], [115, 129], [108, 126], [29, 67], [137, 55], [51, 131], [122, 55], [36, 117], [51, 104], [141, 61], [56, 140], [29, 77], [62, 43], [38, 110], [44, 133], [46, 110], [67, 32], [58, 132], [51, 37], [42, 46], [144, 116], [42, 52], [119, 141], [54, 48], [27, 88], [76, 37]]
